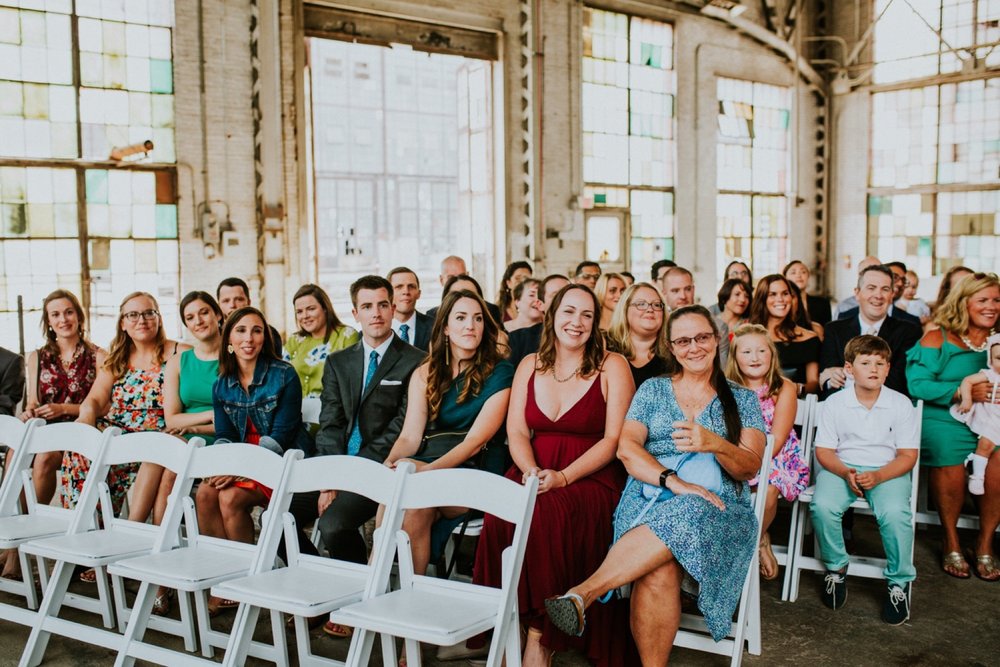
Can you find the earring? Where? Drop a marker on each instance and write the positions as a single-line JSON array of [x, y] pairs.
[[447, 352], [229, 349]]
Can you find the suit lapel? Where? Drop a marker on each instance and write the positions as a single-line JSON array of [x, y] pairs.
[[355, 369]]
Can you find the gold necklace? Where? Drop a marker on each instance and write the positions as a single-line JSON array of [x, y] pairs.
[[568, 377]]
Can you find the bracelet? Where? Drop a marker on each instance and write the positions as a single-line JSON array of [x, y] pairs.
[[565, 479]]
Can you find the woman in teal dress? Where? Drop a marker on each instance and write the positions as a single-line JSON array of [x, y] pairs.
[[188, 378], [708, 534], [463, 386], [934, 369], [320, 334]]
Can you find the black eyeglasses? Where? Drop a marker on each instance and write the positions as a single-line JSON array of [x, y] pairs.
[[134, 315], [646, 305], [701, 340]]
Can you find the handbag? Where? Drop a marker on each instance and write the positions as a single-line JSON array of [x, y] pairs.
[[437, 443], [698, 468]]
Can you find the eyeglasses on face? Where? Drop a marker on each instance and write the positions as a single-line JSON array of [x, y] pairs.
[[134, 315], [646, 305], [701, 340]]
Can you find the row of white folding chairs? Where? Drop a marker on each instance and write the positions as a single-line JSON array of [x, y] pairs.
[[205, 562], [796, 560]]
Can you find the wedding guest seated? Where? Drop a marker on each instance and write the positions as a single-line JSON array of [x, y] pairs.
[[637, 332], [733, 307], [609, 291], [528, 304], [513, 275], [817, 308], [798, 348], [320, 334], [410, 324], [525, 341]]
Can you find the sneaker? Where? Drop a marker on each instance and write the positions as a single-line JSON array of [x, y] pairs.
[[896, 609], [835, 589], [976, 484]]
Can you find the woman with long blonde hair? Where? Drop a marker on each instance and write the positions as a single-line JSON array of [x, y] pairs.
[[637, 332]]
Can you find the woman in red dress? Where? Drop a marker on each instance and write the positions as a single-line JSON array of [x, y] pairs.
[[567, 407]]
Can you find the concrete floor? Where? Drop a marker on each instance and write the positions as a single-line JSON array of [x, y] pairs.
[[954, 623]]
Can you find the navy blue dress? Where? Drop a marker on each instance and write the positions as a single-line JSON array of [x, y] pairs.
[[714, 546]]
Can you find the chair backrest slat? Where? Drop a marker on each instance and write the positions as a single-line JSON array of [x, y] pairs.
[[239, 459], [475, 489], [66, 436], [162, 449], [344, 473]]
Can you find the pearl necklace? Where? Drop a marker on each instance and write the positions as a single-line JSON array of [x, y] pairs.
[[977, 348]]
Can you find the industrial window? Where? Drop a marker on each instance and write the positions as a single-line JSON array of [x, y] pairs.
[[629, 126], [77, 81], [754, 161]]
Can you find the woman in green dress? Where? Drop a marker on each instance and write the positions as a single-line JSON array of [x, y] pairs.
[[934, 369], [189, 376], [320, 334]]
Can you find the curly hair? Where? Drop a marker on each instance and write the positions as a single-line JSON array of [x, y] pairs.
[[953, 315], [121, 345], [618, 336], [439, 373], [772, 378], [593, 352], [81, 319], [758, 307]]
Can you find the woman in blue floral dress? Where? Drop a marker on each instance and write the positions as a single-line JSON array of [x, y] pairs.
[[708, 534]]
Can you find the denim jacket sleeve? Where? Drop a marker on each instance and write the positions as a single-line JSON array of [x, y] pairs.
[[224, 426], [287, 422]]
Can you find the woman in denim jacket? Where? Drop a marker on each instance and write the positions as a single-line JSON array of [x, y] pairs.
[[257, 400]]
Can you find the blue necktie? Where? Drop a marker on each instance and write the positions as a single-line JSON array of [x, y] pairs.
[[354, 443], [404, 333]]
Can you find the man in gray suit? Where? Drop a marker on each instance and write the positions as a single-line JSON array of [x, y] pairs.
[[409, 323], [363, 407]]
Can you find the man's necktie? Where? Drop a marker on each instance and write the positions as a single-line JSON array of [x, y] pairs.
[[354, 443]]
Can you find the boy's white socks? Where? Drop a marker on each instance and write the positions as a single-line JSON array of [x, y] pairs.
[[978, 464]]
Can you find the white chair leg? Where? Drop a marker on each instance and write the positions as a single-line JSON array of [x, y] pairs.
[[361, 649], [51, 603], [388, 643], [241, 636], [512, 652], [204, 623], [412, 651], [302, 645], [137, 622], [278, 636], [187, 620], [791, 554], [121, 609], [30, 592], [104, 597]]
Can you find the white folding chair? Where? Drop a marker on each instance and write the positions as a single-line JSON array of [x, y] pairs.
[[439, 611], [804, 421], [14, 434], [117, 538], [205, 561], [311, 585], [693, 632], [860, 566]]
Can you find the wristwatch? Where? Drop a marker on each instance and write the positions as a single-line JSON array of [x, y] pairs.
[[667, 472]]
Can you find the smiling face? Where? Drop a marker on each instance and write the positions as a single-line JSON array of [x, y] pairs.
[[528, 304], [984, 306], [678, 289], [739, 299], [613, 293], [310, 316], [374, 313], [753, 356], [247, 338], [874, 294], [646, 320], [201, 320], [143, 329], [868, 370], [464, 329], [779, 300], [574, 319], [798, 273], [61, 315], [693, 343], [898, 281]]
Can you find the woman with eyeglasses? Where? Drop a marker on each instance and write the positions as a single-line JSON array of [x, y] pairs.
[[637, 332], [128, 393], [708, 533]]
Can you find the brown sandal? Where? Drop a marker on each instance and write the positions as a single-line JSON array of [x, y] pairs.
[[986, 567], [768, 563], [959, 567]]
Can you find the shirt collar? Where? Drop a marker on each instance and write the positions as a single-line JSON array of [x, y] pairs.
[[411, 321], [865, 326], [881, 403], [381, 349]]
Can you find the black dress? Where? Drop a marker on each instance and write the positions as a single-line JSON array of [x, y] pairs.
[[795, 355], [655, 366], [819, 309]]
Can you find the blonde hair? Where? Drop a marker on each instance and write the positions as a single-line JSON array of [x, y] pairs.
[[601, 289], [619, 336], [953, 315], [121, 345], [772, 378]]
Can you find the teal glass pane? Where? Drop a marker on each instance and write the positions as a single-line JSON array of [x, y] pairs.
[[97, 186], [166, 221], [161, 76]]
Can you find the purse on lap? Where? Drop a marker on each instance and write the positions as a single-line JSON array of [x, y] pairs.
[[699, 468]]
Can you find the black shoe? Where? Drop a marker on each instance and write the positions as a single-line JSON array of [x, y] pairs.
[[835, 589], [896, 609]]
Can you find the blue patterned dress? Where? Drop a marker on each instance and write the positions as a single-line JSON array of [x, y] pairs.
[[713, 546]]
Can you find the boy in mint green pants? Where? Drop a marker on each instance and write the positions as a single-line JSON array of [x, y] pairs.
[[867, 442]]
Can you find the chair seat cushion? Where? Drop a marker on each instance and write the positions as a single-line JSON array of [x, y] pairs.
[[93, 545], [17, 529], [190, 565], [296, 587], [423, 613]]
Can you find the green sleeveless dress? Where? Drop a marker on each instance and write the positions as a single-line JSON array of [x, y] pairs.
[[195, 385]]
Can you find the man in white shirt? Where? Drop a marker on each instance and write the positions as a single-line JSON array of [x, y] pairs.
[[408, 323], [867, 442]]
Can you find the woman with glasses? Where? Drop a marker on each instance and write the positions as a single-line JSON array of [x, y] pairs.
[[708, 533], [128, 393], [637, 332]]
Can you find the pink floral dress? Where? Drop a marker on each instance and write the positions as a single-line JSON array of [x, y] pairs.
[[789, 473]]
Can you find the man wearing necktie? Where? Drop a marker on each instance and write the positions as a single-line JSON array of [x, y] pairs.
[[874, 295], [363, 407], [410, 325]]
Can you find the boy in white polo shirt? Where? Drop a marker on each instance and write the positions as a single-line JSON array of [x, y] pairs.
[[867, 442]]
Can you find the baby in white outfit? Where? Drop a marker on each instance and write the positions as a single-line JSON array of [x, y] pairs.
[[982, 418]]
